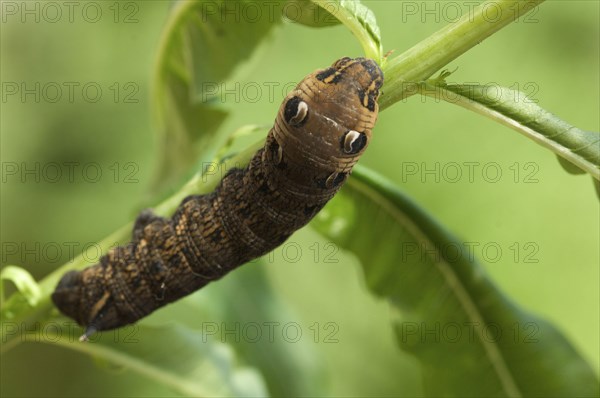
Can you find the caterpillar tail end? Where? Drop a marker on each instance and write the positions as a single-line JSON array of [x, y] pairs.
[[90, 330], [67, 296], [77, 297]]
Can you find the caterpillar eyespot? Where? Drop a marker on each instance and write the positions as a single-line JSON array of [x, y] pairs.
[[322, 128], [354, 142], [296, 112]]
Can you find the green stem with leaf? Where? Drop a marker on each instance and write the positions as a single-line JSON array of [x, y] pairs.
[[419, 63]]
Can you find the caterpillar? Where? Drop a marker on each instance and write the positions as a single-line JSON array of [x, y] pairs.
[[322, 128]]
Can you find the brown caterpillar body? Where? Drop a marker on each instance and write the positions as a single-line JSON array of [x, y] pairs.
[[321, 130]]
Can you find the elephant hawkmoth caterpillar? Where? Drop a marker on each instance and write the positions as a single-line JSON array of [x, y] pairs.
[[322, 128]]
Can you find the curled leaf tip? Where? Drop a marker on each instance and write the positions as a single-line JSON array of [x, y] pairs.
[[24, 282]]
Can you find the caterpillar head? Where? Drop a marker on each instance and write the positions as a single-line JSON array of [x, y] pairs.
[[325, 124]]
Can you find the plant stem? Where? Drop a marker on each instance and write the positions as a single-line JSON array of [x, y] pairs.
[[404, 72], [114, 356], [371, 47]]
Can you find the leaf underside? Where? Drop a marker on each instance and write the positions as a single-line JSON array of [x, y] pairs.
[[450, 315], [579, 150], [203, 45]]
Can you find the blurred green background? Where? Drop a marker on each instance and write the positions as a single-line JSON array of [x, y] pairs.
[[549, 214]]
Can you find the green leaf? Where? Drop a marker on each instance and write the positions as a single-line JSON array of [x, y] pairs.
[[308, 13], [450, 315], [512, 108], [246, 298], [172, 355], [203, 44], [569, 167], [24, 282], [360, 20]]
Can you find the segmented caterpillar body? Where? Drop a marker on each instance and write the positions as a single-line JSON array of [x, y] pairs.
[[322, 128]]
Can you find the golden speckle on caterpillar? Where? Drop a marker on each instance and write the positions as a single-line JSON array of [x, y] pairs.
[[323, 127]]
